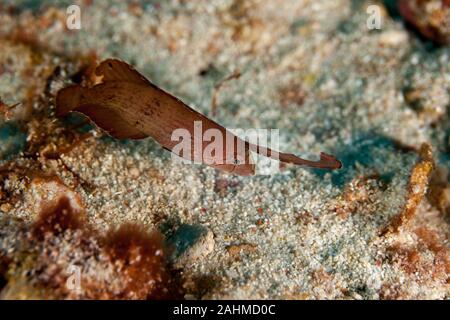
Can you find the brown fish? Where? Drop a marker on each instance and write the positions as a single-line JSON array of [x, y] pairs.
[[128, 106]]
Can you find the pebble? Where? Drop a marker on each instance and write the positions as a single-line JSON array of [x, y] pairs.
[[393, 38], [190, 243]]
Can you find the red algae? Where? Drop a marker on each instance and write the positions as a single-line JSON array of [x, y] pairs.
[[140, 257], [127, 263]]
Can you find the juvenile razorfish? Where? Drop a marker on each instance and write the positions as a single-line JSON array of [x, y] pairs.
[[128, 106]]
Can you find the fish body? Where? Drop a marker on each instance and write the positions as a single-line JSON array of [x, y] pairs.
[[128, 106]]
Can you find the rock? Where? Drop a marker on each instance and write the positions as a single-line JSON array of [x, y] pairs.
[[393, 38], [190, 243]]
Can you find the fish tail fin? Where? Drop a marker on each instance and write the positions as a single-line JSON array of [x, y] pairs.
[[68, 99], [326, 161]]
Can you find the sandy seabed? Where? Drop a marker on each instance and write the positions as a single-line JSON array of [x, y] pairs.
[[377, 99]]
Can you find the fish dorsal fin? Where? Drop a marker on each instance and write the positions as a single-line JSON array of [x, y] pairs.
[[116, 70]]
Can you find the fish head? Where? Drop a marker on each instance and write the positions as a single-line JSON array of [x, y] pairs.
[[240, 162], [238, 169]]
